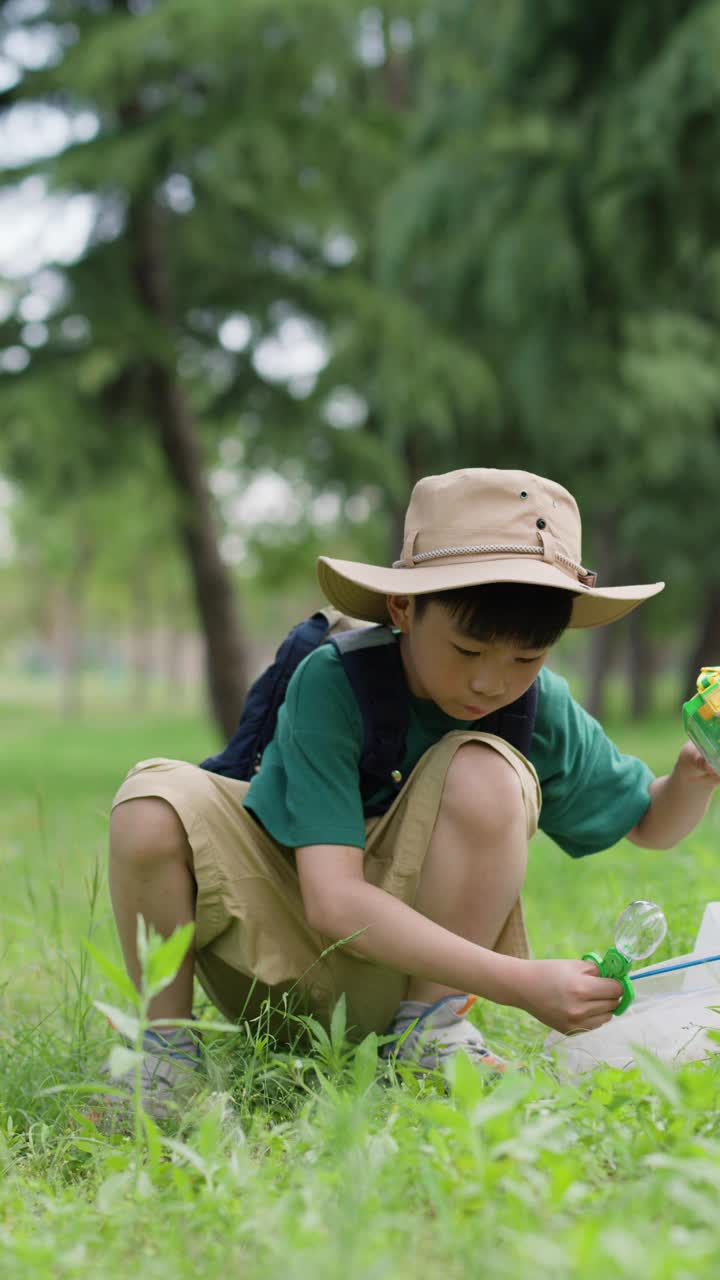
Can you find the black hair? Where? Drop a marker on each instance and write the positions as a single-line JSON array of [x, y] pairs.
[[520, 613]]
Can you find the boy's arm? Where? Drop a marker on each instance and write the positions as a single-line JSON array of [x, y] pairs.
[[567, 995], [678, 801]]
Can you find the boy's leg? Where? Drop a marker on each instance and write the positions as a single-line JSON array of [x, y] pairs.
[[184, 847], [151, 875], [475, 865], [470, 882]]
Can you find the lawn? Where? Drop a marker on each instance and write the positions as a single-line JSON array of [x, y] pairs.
[[313, 1163]]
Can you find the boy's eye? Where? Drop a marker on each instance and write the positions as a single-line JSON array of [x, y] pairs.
[[477, 653]]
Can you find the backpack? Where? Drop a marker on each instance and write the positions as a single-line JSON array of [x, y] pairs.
[[371, 659]]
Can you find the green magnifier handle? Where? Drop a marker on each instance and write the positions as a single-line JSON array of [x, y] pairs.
[[615, 965]]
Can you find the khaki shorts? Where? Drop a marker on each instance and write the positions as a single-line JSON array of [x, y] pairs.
[[252, 940]]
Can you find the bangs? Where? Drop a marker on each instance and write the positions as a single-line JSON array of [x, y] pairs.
[[519, 613]]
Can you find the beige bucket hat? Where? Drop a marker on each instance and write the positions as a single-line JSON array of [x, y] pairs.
[[481, 525]]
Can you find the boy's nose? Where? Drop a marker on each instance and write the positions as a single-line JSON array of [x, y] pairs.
[[488, 685]]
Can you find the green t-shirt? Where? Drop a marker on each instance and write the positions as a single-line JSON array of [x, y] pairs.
[[307, 791]]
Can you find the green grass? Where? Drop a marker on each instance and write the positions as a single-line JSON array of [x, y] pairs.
[[314, 1165]]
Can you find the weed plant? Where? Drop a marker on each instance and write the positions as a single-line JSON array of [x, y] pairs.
[[313, 1159]]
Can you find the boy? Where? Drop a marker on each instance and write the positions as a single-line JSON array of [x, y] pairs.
[[428, 888]]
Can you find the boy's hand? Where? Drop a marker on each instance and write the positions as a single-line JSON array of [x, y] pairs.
[[567, 995], [677, 802], [692, 766]]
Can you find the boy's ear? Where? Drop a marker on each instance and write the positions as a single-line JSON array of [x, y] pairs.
[[402, 611]]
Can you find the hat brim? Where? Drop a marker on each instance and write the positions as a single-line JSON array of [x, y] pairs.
[[360, 590]]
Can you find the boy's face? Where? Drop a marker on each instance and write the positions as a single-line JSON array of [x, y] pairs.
[[466, 678]]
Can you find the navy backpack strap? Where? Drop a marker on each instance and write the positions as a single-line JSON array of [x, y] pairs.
[[372, 663], [241, 757], [516, 722]]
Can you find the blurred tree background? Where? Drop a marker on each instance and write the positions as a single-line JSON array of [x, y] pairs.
[[322, 249]]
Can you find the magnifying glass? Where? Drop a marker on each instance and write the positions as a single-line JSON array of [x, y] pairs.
[[637, 933]]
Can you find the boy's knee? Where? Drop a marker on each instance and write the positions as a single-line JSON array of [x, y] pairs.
[[147, 830], [481, 786]]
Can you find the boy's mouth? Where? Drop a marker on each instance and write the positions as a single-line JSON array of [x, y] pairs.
[[476, 712]]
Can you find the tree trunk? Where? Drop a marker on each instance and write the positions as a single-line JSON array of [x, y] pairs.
[[602, 643], [70, 655], [602, 646], [640, 665], [226, 660], [225, 643], [71, 631], [141, 645], [639, 653], [413, 469], [706, 650], [173, 643], [397, 95]]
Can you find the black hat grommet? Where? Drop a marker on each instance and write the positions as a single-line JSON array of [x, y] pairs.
[[540, 524]]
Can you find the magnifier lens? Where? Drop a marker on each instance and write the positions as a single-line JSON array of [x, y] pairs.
[[640, 929]]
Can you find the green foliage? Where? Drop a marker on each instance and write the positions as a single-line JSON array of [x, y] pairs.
[[218, 177], [525, 206], [530, 198], [556, 217], [310, 1159]]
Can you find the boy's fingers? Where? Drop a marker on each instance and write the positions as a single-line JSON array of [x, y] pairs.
[[598, 1013], [595, 1017], [612, 991], [605, 988], [597, 1020]]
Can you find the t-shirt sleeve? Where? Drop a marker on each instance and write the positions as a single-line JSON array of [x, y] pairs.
[[308, 787], [592, 794]]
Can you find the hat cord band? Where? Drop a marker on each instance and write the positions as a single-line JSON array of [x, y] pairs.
[[499, 548], [495, 547]]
